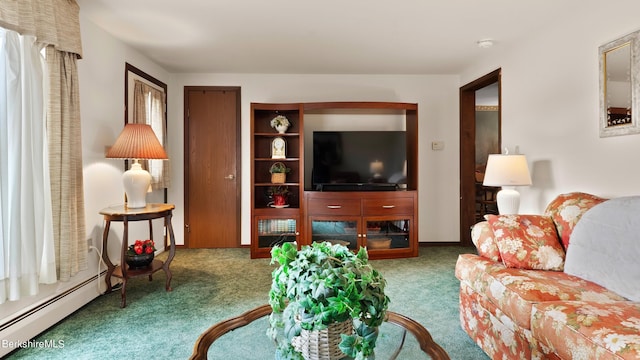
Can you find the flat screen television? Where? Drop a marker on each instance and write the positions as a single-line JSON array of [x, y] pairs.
[[358, 160]]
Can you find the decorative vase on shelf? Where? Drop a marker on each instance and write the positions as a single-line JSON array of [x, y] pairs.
[[280, 123], [139, 261]]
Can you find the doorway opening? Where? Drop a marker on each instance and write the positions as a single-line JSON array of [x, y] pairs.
[[480, 135]]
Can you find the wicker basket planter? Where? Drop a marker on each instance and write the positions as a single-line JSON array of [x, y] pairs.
[[278, 173], [322, 344], [316, 322], [278, 178]]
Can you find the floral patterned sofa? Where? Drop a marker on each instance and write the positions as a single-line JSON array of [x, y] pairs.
[[519, 301]]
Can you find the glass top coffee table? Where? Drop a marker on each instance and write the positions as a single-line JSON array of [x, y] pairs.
[[400, 338]]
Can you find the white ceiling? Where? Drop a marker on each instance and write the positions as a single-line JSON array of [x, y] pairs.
[[322, 37]]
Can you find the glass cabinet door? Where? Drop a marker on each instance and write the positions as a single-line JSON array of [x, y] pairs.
[[276, 231], [343, 232], [388, 234]]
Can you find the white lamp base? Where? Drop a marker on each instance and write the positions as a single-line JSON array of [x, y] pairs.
[[136, 182], [508, 200]]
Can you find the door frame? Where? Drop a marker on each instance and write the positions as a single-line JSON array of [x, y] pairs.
[[238, 155], [468, 148]]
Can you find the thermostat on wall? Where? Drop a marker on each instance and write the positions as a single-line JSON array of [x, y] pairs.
[[437, 145]]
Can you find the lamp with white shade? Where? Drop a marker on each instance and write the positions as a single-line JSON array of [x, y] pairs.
[[507, 171], [136, 141], [376, 168]]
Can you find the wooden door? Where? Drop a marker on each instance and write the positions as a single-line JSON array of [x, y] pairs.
[[212, 167]]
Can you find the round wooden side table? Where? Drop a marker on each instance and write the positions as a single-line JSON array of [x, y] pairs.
[[125, 214]]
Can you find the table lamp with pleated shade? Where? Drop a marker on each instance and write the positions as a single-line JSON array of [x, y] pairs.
[[136, 141]]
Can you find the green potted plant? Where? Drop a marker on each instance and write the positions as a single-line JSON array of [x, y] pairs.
[[278, 195], [278, 172], [321, 285]]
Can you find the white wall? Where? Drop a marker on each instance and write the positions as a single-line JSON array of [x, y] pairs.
[[101, 73], [437, 98], [550, 108], [102, 79], [551, 118]]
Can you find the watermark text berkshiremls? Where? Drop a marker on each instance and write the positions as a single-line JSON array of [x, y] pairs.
[[49, 344]]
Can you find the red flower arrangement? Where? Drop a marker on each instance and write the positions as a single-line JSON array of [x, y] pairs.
[[142, 247]]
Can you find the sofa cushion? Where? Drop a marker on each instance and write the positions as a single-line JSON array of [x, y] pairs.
[[515, 291], [589, 330], [605, 246], [482, 237], [527, 241], [566, 210]]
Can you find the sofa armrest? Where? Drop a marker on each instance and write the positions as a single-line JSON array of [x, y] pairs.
[[567, 209], [484, 240]]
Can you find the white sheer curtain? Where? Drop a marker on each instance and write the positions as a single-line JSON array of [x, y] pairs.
[[31, 163], [27, 254]]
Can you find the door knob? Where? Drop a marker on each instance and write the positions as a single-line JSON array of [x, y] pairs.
[[230, 177]]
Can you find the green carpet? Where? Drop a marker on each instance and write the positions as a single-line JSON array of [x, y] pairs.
[[210, 285]]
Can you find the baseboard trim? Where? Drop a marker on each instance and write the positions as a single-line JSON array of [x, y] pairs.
[[439, 243], [27, 325]]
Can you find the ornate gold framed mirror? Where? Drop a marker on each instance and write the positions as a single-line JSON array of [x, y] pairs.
[[619, 97]]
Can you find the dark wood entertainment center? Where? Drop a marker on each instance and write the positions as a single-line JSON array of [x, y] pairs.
[[383, 221]]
